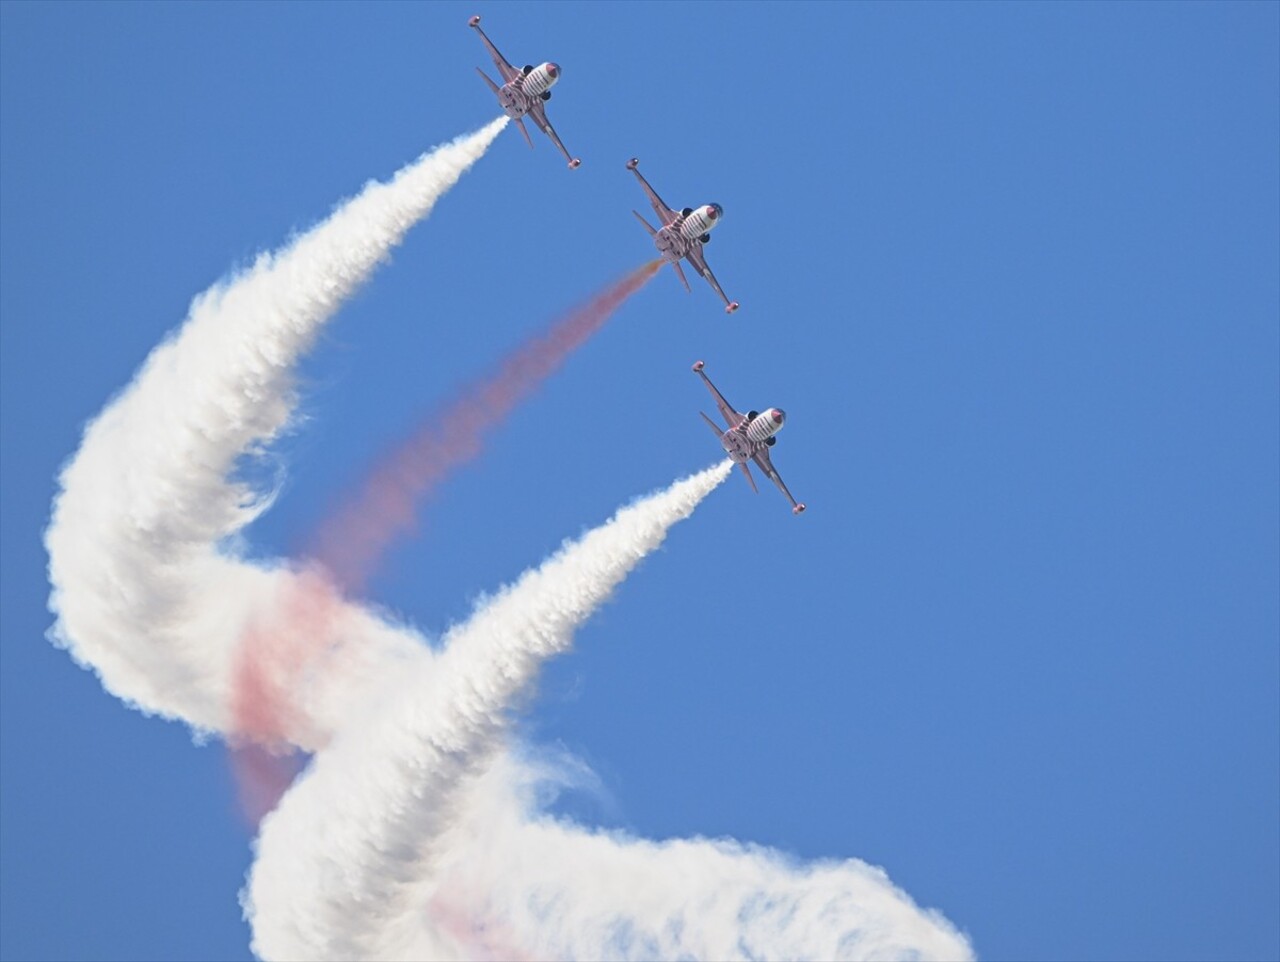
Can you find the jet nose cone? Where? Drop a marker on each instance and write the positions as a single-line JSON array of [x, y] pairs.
[[553, 70], [778, 415], [712, 212]]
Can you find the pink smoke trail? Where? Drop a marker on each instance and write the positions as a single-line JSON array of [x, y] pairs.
[[283, 643], [350, 544]]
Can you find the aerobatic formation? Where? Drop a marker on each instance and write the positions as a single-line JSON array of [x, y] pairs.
[[681, 236], [419, 830]]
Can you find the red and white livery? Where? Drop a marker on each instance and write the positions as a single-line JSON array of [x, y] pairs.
[[683, 234], [749, 437], [524, 92]]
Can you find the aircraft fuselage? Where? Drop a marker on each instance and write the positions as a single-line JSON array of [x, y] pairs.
[[752, 434], [518, 95], [687, 231]]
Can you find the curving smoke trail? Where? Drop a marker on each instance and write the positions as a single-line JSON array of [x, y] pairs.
[[411, 836], [327, 885], [555, 890], [416, 832], [140, 592]]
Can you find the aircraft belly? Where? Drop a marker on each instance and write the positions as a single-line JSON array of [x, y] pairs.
[[670, 244], [513, 102], [737, 446]]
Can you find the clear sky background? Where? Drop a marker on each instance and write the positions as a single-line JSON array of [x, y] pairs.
[[1010, 269]]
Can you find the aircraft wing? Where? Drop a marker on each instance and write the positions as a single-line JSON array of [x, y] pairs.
[[539, 114], [699, 262], [732, 417], [508, 72], [762, 459], [665, 214]]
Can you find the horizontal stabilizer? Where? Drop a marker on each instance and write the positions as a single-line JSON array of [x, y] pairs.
[[524, 130], [712, 424], [680, 274], [485, 77], [645, 222]]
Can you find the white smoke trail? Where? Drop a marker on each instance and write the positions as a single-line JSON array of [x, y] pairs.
[[408, 838], [512, 880], [140, 593], [414, 834], [314, 858]]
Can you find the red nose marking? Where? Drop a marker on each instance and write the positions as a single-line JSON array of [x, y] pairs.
[[711, 213], [553, 70], [777, 416]]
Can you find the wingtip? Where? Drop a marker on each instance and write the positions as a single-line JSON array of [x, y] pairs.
[[575, 163], [798, 509], [731, 307], [698, 366], [633, 163], [474, 21]]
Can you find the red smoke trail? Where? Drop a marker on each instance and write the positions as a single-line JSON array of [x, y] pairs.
[[279, 647], [350, 544], [272, 654]]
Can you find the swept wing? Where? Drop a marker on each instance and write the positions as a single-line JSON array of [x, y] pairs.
[[762, 459], [508, 72], [665, 214], [699, 262], [539, 114], [732, 417]]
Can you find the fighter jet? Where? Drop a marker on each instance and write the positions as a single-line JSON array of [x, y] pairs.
[[749, 438], [683, 234], [524, 92]]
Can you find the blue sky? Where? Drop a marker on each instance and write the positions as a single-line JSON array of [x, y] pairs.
[[1010, 269]]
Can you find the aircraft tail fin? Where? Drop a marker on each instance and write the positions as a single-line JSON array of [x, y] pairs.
[[645, 222], [485, 77], [524, 130], [680, 274], [750, 480]]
